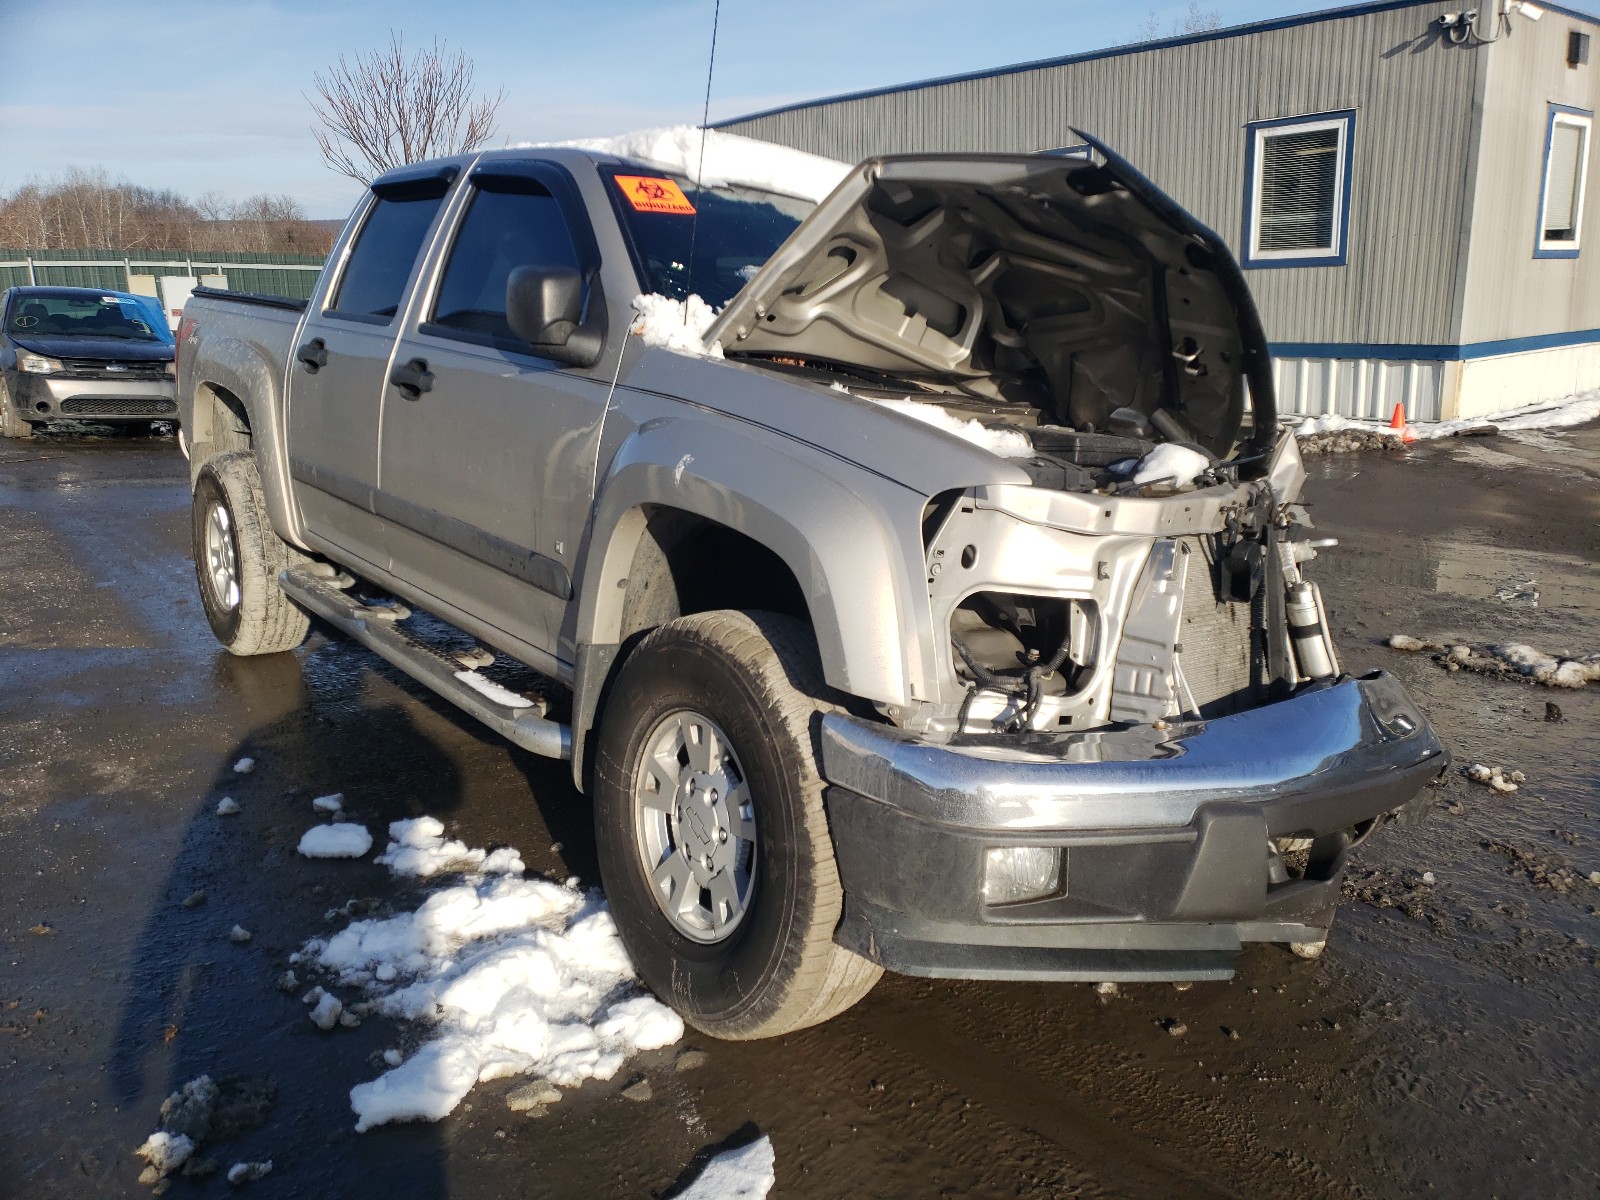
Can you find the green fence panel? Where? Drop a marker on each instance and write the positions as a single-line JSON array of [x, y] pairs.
[[259, 277]]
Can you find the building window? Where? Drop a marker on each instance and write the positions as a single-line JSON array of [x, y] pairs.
[[1297, 202], [1566, 168]]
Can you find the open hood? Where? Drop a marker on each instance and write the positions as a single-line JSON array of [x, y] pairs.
[[1071, 287]]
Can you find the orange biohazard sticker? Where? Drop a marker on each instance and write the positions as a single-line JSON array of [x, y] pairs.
[[649, 194]]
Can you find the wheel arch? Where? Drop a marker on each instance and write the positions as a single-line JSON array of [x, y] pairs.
[[235, 403], [822, 533]]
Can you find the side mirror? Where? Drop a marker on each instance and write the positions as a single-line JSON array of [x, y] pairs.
[[544, 307]]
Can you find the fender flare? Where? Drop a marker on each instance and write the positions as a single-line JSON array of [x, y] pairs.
[[247, 373], [851, 538]]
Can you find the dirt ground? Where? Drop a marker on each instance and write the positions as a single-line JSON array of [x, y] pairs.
[[1447, 1043]]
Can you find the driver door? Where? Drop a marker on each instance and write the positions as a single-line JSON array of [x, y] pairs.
[[487, 450]]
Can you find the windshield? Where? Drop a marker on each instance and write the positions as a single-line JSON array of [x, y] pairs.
[[87, 315], [738, 229]]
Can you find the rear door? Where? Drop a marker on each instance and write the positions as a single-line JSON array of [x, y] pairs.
[[487, 475], [339, 364]]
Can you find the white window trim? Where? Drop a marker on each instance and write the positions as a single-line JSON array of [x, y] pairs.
[[1341, 212], [1586, 124]]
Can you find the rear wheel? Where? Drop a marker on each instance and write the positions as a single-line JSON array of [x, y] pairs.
[[237, 559], [714, 847], [12, 422]]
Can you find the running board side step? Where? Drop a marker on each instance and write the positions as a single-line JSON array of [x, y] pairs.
[[378, 631]]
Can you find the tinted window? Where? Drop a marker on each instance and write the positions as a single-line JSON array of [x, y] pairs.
[[87, 314], [511, 223], [739, 228], [384, 253]]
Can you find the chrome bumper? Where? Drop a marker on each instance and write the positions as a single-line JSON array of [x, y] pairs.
[[1358, 731], [1165, 836]]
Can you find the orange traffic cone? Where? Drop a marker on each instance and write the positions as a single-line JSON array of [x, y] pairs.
[[1398, 424]]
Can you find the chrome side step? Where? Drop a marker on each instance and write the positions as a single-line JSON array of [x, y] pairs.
[[321, 591]]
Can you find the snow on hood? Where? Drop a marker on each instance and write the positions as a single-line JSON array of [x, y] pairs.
[[1007, 443], [1178, 464], [729, 158], [675, 325]]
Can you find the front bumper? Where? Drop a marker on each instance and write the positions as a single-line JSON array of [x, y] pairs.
[[78, 398], [1165, 835]]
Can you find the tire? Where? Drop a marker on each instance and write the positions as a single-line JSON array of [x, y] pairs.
[[248, 611], [754, 679], [12, 423]]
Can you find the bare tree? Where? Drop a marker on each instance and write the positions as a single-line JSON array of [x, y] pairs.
[[213, 206], [385, 109], [86, 209], [1196, 20]]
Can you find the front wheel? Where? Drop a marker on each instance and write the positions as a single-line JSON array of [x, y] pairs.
[[237, 560], [714, 846], [12, 423]]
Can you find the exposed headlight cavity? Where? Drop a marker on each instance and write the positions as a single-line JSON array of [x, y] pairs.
[[998, 636]]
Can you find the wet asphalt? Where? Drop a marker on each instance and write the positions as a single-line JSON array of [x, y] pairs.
[[1446, 1044]]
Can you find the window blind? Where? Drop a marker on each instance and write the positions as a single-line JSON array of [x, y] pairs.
[[1561, 192], [1299, 190]]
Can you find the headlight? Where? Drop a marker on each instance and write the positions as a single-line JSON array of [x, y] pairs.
[[1013, 873], [37, 364]]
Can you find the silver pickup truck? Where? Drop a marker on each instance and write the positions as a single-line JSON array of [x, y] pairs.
[[941, 610]]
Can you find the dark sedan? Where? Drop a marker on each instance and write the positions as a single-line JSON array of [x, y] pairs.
[[82, 354]]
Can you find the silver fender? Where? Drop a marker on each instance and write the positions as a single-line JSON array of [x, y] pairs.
[[850, 537]]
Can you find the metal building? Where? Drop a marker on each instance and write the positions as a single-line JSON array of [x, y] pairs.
[[1404, 184]]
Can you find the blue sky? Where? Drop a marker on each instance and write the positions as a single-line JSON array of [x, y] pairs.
[[210, 96]]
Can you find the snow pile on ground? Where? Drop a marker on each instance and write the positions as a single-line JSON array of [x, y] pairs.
[[165, 1152], [227, 807], [517, 977], [1178, 464], [197, 1114], [1007, 443], [662, 322], [326, 1008], [419, 848], [246, 1172], [244, 766], [728, 158], [328, 804], [340, 840], [1547, 668], [485, 686], [1510, 660], [1574, 411], [747, 1173], [1497, 778], [1545, 416]]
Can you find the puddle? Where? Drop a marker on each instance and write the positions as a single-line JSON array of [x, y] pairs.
[[1518, 591], [1472, 571], [1523, 578], [1537, 439]]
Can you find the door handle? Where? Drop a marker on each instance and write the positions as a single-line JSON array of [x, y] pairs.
[[413, 379], [313, 356]]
